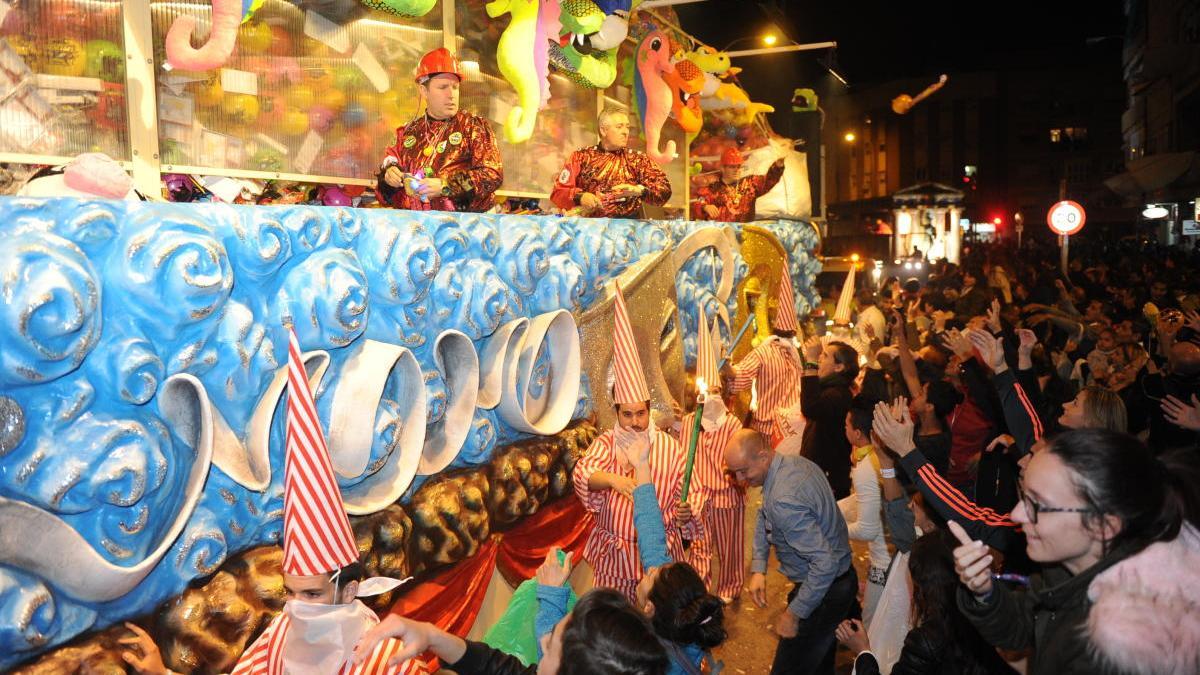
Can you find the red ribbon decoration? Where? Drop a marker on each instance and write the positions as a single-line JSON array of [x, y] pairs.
[[452, 598]]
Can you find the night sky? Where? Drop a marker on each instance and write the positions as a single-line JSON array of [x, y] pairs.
[[881, 41]]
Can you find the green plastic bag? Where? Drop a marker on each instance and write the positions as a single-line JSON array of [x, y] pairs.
[[513, 633]]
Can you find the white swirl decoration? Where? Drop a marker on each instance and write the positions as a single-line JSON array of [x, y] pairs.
[[458, 364], [50, 316], [177, 258], [42, 543], [549, 411], [386, 374]]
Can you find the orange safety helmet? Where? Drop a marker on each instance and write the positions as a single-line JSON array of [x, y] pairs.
[[437, 62], [731, 157]]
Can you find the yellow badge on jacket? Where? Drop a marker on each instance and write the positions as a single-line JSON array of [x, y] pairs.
[[456, 138], [410, 141]]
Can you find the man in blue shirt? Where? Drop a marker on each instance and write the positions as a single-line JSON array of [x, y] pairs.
[[801, 519]]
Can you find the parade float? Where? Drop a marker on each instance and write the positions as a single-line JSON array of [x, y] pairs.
[[459, 362]]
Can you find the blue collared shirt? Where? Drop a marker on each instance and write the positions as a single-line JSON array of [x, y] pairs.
[[801, 519]]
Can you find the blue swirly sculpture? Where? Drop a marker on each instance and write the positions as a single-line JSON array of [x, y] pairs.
[[50, 319], [558, 233], [325, 299], [346, 226], [173, 271], [31, 615], [470, 296], [260, 243], [39, 541], [309, 229], [562, 287], [522, 260], [481, 440], [403, 256]]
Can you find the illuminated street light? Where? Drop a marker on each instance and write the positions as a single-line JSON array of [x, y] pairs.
[[1155, 211], [850, 137], [769, 39]]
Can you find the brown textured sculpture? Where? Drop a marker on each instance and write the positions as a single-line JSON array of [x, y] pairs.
[[206, 628]]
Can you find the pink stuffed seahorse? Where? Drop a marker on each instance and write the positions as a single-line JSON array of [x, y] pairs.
[[226, 16], [548, 27], [653, 93]]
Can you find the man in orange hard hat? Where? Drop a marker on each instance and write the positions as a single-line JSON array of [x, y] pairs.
[[608, 180], [446, 159], [732, 199]]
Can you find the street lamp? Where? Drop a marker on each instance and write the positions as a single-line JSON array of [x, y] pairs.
[[849, 137]]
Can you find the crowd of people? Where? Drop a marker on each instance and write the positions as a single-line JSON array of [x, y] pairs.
[[1015, 447]]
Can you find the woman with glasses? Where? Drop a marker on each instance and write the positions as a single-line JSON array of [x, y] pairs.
[[1114, 530]]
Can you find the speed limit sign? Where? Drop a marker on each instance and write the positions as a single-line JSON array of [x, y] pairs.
[[1066, 217]]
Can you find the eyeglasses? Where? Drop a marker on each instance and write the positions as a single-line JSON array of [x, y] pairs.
[[1033, 508]]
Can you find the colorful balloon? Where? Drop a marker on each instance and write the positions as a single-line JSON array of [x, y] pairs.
[[63, 56], [300, 96], [255, 37], [105, 60], [355, 115], [241, 108], [295, 122], [320, 118]]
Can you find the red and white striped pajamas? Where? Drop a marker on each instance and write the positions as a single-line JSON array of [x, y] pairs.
[[720, 505], [611, 548], [775, 374]]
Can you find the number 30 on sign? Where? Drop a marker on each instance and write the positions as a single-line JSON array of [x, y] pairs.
[[1066, 217]]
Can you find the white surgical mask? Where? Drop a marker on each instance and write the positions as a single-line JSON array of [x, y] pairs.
[[714, 410], [321, 638]]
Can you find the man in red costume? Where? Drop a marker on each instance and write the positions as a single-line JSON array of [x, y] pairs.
[[446, 159], [732, 199], [608, 180], [322, 620]]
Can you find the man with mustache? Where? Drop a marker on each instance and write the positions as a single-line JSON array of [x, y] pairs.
[[604, 479]]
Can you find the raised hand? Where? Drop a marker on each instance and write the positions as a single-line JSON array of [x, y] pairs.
[[993, 316], [894, 426], [1181, 414], [990, 348], [813, 348], [972, 562], [551, 573], [1028, 339], [957, 343]]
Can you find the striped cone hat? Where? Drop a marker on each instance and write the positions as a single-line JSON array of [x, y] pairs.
[[629, 380], [785, 303], [317, 538], [706, 353]]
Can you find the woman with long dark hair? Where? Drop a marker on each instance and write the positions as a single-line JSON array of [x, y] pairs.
[[943, 641]]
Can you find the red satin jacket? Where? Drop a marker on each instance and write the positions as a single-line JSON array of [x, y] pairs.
[[461, 151]]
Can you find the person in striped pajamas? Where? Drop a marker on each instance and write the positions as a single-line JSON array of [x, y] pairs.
[[773, 367], [720, 504], [322, 620], [603, 477]]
